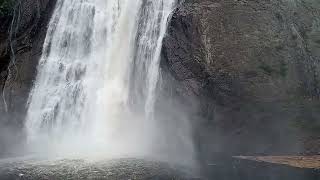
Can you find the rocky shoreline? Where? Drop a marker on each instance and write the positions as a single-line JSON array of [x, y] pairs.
[[308, 162]]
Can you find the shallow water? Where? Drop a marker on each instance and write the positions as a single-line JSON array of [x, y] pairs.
[[31, 169], [227, 168]]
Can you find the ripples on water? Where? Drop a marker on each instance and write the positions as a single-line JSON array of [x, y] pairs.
[[85, 169]]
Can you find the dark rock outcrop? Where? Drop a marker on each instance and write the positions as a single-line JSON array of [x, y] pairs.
[[21, 38], [253, 68], [20, 49]]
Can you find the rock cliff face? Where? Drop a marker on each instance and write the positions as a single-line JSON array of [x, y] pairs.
[[249, 69], [21, 37], [22, 34], [253, 69]]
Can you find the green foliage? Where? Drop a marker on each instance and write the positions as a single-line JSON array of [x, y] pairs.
[[307, 117], [281, 70], [6, 7], [309, 126], [266, 69]]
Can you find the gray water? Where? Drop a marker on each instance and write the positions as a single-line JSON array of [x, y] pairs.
[[223, 168], [121, 169]]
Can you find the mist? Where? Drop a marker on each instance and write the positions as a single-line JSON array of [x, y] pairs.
[[97, 89]]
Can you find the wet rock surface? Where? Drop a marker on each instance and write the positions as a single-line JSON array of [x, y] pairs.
[[252, 69], [22, 37], [311, 162], [22, 33], [236, 169]]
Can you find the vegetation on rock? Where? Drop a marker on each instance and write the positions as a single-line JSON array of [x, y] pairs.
[[6, 7]]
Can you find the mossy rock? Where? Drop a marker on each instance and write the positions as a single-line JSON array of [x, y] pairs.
[[306, 118], [6, 7]]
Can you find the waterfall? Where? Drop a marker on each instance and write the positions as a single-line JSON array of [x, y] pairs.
[[98, 76]]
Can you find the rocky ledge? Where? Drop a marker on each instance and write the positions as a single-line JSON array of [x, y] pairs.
[[309, 162]]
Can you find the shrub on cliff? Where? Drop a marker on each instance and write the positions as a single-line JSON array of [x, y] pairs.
[[6, 7]]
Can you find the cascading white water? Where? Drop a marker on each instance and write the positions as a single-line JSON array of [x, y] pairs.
[[100, 65]]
